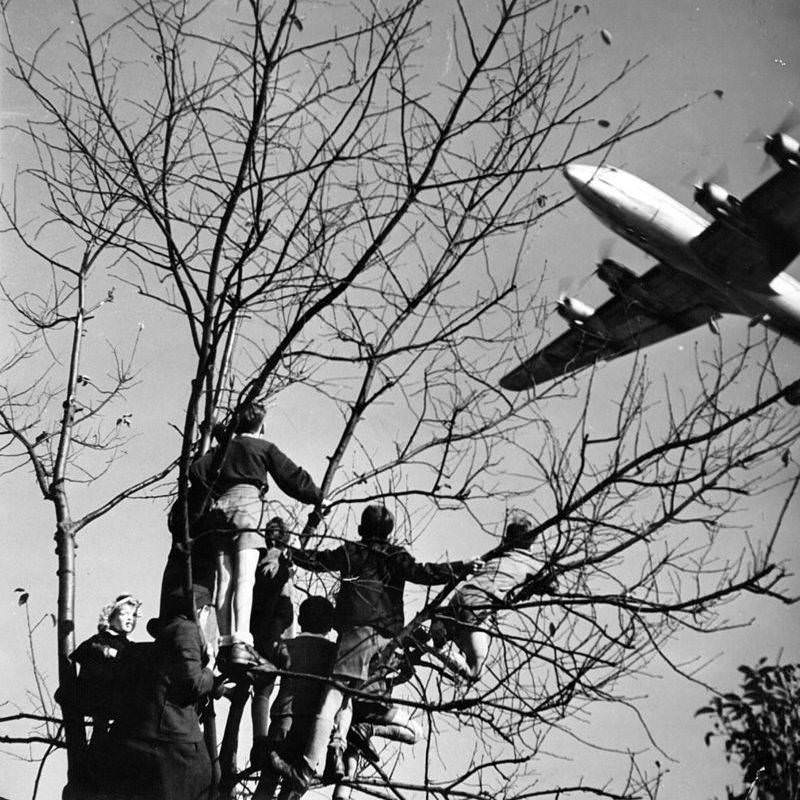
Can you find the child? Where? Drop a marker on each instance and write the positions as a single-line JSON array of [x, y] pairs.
[[460, 621], [369, 611], [98, 658], [295, 707], [236, 479], [272, 616]]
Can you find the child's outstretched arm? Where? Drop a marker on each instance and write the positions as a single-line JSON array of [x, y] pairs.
[[433, 574], [317, 560]]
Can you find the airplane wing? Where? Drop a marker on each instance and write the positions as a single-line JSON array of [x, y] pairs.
[[754, 258], [670, 303]]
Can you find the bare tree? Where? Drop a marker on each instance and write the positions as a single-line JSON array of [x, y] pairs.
[[302, 189]]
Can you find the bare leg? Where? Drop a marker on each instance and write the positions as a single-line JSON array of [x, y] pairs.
[[262, 689], [224, 593], [244, 579], [475, 647]]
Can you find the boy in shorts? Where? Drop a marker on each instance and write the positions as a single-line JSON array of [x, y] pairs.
[[236, 480], [369, 612], [462, 620]]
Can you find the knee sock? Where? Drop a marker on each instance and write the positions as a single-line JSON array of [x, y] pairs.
[[245, 637]]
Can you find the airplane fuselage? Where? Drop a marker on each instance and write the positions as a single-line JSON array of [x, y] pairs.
[[661, 226]]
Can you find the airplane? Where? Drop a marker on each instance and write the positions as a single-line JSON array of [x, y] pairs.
[[732, 265]]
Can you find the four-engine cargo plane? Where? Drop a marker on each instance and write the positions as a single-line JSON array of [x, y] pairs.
[[731, 265]]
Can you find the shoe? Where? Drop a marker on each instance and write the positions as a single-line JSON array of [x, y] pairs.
[[258, 752], [246, 657], [335, 768], [420, 635], [298, 778], [359, 736], [339, 767]]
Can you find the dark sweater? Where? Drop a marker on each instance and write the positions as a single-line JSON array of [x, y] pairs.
[[308, 654], [373, 575], [250, 460]]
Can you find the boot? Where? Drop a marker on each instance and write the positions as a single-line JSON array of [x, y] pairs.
[[359, 735], [335, 768]]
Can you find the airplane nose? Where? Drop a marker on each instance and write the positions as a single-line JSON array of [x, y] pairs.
[[579, 175]]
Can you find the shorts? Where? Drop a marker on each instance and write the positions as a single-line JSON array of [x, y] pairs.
[[237, 519], [468, 609], [355, 649]]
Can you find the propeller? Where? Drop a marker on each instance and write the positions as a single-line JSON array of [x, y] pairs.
[[790, 121], [720, 176]]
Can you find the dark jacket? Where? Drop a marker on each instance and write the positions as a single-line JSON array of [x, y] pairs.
[[99, 658], [308, 654], [251, 460], [272, 611], [373, 575], [167, 681]]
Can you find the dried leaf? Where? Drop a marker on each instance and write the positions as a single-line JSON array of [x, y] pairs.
[[23, 598], [605, 36]]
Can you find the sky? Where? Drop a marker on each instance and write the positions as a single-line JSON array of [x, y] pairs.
[[749, 49]]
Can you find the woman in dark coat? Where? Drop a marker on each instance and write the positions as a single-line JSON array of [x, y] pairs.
[[157, 751]]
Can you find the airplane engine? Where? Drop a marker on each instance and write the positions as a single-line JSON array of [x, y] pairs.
[[719, 202], [580, 315], [574, 310], [615, 275], [783, 150], [792, 394]]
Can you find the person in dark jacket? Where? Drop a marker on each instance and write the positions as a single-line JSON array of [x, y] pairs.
[[272, 616], [202, 543], [235, 477], [369, 612], [156, 743], [98, 658], [295, 708]]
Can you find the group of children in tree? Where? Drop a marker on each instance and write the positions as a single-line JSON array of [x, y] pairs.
[[315, 725]]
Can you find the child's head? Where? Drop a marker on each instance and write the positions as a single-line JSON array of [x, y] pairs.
[[316, 615], [518, 529], [249, 418], [276, 532], [377, 522], [121, 615]]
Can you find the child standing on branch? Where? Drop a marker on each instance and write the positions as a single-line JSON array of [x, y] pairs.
[[235, 478], [463, 620], [369, 613]]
